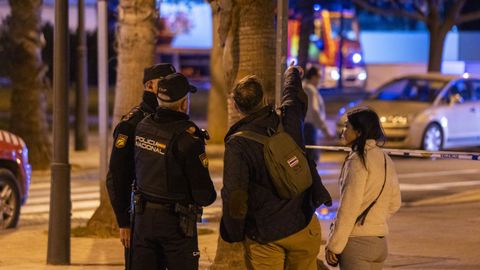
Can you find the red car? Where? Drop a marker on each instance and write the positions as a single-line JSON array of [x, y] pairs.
[[15, 174]]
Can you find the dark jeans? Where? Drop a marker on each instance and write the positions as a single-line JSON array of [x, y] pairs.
[[159, 243], [310, 134]]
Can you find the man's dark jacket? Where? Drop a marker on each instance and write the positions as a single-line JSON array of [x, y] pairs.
[[251, 206]]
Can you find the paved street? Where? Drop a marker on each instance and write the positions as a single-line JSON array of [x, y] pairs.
[[85, 195], [419, 178], [433, 229], [427, 236]]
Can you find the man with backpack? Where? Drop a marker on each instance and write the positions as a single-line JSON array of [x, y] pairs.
[[268, 200]]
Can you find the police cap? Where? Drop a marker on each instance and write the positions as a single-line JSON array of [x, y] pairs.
[[157, 71], [173, 87]]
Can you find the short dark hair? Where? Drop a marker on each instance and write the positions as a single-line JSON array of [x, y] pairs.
[[312, 71], [248, 94]]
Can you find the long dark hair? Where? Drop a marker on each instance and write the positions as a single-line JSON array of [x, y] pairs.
[[366, 122]]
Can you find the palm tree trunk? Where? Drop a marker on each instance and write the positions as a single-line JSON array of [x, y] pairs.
[[252, 52], [257, 42], [217, 105], [135, 45], [29, 83]]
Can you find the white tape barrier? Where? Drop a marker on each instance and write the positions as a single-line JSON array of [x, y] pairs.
[[409, 152]]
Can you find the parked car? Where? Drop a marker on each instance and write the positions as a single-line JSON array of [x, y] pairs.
[[15, 174], [427, 111]]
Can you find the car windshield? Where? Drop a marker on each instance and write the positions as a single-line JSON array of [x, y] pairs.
[[410, 89]]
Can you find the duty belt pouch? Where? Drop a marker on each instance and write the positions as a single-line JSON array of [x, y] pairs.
[[188, 219], [139, 203]]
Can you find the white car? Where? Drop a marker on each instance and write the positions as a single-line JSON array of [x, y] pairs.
[[427, 111]]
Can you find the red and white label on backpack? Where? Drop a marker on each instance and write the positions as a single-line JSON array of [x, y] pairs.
[[293, 161]]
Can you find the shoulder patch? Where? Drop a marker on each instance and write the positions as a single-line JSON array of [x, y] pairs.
[[130, 114], [121, 141], [204, 159], [191, 130]]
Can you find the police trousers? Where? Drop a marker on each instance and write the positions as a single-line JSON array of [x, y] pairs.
[[159, 243], [295, 252], [364, 253]]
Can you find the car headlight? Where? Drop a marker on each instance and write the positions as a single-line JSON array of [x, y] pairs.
[[356, 58], [362, 76], [394, 119], [334, 74]]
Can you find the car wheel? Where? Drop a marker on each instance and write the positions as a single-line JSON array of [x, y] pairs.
[[9, 200], [432, 138]]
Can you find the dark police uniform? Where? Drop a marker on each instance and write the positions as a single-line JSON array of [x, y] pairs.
[[122, 166], [121, 171], [171, 172]]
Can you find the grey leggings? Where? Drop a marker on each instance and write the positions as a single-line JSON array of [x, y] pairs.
[[364, 253]]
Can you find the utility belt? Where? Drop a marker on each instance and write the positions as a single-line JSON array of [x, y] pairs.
[[189, 214]]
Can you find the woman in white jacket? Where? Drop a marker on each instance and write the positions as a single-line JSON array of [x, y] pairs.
[[369, 195]]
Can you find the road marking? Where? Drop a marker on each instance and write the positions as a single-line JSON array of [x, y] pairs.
[[336, 172], [44, 208], [331, 177], [74, 197], [438, 173], [85, 198], [438, 186], [408, 152], [46, 192]]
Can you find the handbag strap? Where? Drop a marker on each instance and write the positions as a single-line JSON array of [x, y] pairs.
[[363, 215]]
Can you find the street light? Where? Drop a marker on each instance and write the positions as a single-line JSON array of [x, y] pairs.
[[103, 85], [81, 106], [58, 251]]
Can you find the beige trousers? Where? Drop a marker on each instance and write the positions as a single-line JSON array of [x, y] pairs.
[[295, 252], [364, 253]]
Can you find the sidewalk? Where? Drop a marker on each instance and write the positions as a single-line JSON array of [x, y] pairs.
[[422, 237]]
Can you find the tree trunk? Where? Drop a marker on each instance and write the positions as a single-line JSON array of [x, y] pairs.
[[217, 102], [255, 52], [135, 45], [435, 52], [251, 52], [306, 29], [257, 43], [229, 35], [29, 83]]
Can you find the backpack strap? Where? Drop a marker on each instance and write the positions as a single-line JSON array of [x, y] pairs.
[[363, 215], [251, 136], [279, 112]]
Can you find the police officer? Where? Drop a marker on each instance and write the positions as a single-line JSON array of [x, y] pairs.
[[121, 170], [173, 181]]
